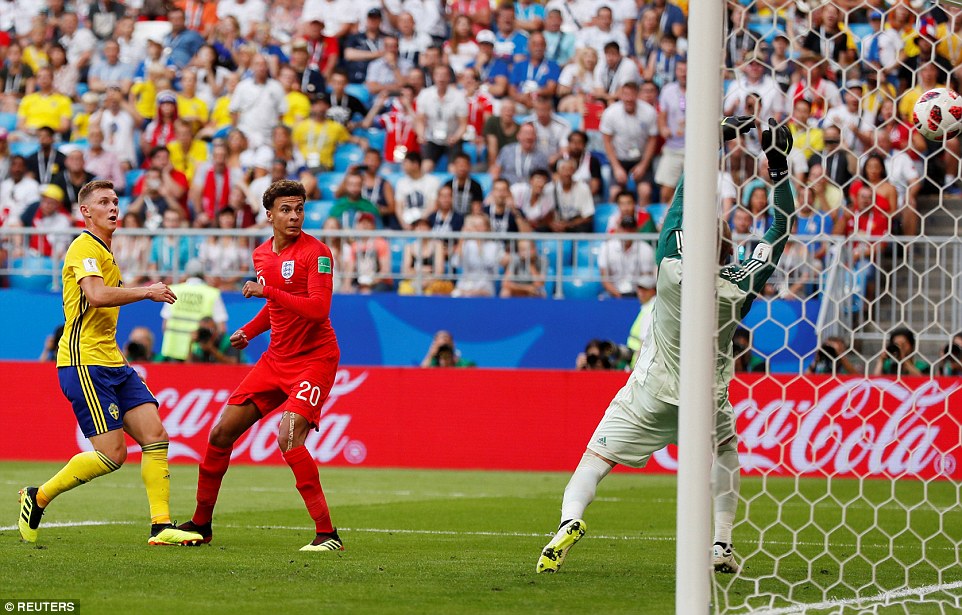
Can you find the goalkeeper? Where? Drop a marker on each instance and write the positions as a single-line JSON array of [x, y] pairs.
[[643, 417]]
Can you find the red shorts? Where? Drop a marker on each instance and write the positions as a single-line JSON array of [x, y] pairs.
[[303, 385]]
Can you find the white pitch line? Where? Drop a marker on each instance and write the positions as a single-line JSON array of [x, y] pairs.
[[884, 597], [10, 528], [376, 530]]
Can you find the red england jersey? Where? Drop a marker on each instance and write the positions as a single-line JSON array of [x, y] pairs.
[[298, 284]]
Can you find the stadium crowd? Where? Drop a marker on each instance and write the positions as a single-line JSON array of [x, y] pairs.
[[466, 116]]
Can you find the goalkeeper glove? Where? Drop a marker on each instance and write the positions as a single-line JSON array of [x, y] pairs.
[[777, 145], [733, 125]]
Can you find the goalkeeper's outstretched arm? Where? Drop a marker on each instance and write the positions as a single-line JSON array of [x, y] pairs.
[[671, 240]]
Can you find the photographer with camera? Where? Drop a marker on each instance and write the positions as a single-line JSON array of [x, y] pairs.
[[443, 352], [951, 362], [832, 358], [899, 359], [210, 345]]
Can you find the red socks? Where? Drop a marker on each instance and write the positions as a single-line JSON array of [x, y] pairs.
[[212, 470], [309, 485]]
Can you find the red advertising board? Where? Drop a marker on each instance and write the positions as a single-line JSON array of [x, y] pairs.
[[522, 420]]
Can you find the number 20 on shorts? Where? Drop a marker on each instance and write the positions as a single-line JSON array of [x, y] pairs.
[[308, 393]]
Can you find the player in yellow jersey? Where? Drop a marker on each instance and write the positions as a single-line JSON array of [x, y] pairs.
[[107, 395]]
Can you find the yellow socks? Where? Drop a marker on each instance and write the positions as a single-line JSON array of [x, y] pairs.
[[82, 468], [156, 475]]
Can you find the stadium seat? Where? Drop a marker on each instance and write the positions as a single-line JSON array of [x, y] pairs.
[[223, 132], [602, 213], [37, 273], [549, 251], [24, 148], [586, 254], [472, 150], [133, 176], [443, 176], [397, 254], [393, 178], [581, 283], [316, 212], [374, 136], [8, 121], [123, 202], [485, 180], [658, 211], [573, 119], [346, 155], [859, 32], [327, 183], [359, 91]]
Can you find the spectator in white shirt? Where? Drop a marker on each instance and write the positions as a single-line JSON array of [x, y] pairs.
[[258, 103], [248, 13], [614, 72], [117, 123], [623, 261], [442, 118], [628, 128], [535, 200], [551, 128], [415, 193], [602, 33], [340, 17], [574, 208], [17, 191]]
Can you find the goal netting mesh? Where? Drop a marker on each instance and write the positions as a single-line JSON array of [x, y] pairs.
[[850, 369]]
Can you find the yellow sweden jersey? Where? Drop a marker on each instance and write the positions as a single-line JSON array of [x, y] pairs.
[[89, 334]]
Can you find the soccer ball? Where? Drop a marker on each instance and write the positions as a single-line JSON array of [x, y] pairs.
[[938, 114]]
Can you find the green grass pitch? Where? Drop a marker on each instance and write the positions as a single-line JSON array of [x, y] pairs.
[[467, 542]]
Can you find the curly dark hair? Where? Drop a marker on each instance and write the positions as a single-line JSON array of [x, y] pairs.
[[283, 187]]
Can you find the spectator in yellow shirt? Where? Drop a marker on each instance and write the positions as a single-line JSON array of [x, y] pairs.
[[45, 107], [189, 106], [186, 153], [808, 140], [143, 94], [298, 105], [34, 54], [317, 137], [80, 124]]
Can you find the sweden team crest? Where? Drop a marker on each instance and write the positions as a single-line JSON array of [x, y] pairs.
[[114, 411], [287, 270]]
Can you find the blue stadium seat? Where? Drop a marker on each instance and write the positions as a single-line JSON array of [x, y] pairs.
[[859, 32], [132, 177], [123, 202], [581, 283], [587, 253], [393, 178], [485, 180], [223, 132], [359, 91], [24, 148], [397, 254], [327, 183], [375, 137], [8, 121], [658, 211], [549, 251], [346, 155], [573, 119], [37, 273], [602, 213], [316, 212], [476, 154], [443, 176]]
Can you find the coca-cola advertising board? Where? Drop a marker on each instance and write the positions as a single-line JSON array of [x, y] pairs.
[[522, 420]]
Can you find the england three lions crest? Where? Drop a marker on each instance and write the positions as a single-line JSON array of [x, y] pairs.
[[287, 270]]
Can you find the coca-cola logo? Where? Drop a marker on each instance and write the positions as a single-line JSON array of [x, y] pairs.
[[864, 427], [189, 413]]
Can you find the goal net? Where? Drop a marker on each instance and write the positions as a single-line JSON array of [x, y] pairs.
[[849, 384]]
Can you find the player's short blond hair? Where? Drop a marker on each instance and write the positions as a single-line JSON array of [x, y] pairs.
[[91, 187]]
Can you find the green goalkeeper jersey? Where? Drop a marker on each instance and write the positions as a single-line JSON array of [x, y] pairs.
[[658, 366]]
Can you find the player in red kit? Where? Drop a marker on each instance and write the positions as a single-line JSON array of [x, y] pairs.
[[295, 274]]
